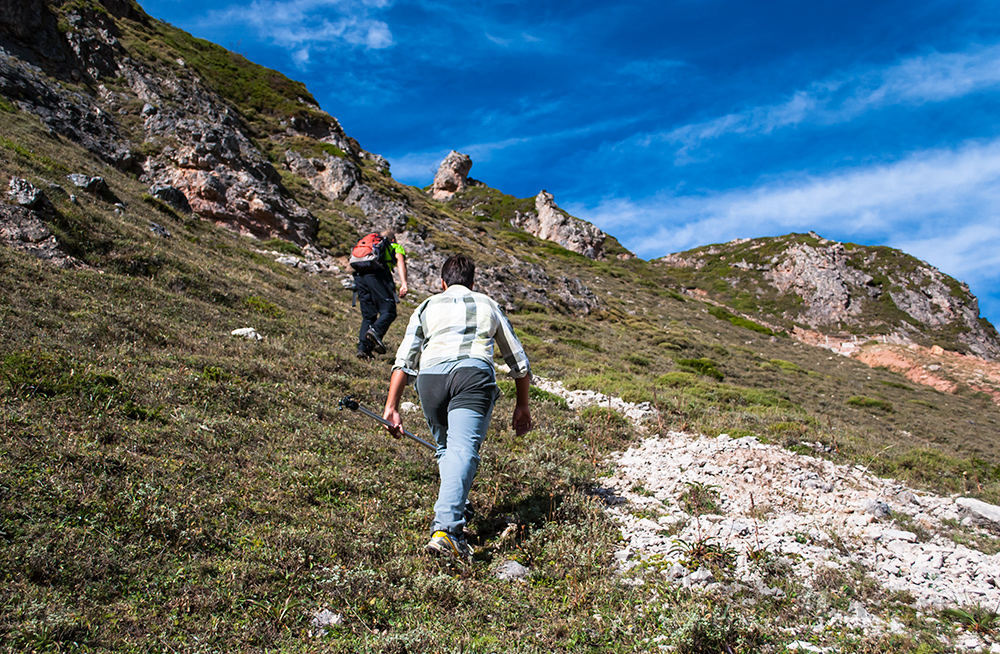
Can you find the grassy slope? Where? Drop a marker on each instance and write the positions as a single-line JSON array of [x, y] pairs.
[[164, 486]]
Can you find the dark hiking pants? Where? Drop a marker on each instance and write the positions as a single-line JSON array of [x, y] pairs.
[[377, 299]]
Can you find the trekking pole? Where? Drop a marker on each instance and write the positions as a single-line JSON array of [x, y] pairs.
[[350, 403]]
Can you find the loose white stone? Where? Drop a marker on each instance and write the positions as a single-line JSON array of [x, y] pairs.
[[248, 333]]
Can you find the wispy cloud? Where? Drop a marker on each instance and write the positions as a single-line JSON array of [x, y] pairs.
[[935, 77], [942, 205], [311, 24], [651, 70]]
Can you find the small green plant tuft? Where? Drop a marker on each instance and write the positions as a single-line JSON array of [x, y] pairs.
[[870, 403], [638, 360], [740, 321], [976, 618], [534, 393], [702, 366], [787, 366], [264, 307], [705, 552], [282, 246], [715, 630], [699, 499]]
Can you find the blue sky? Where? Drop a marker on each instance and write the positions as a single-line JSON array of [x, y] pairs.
[[671, 124]]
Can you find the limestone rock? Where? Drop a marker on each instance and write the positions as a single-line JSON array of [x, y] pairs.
[[332, 176], [451, 175], [25, 194], [339, 178], [981, 513], [822, 276], [812, 529], [551, 223], [511, 570], [22, 229], [248, 333], [95, 185]]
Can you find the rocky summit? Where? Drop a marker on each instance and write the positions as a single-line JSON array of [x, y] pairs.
[[803, 282]]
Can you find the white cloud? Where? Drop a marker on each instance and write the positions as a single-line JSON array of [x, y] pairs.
[[941, 206], [503, 43], [316, 23], [949, 198], [301, 57], [936, 77], [971, 252]]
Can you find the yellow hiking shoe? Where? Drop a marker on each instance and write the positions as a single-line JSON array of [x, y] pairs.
[[444, 544]]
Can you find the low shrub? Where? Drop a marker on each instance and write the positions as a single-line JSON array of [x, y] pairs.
[[703, 366], [870, 403]]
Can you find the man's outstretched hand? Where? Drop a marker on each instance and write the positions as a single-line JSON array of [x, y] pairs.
[[522, 420], [392, 416], [397, 382]]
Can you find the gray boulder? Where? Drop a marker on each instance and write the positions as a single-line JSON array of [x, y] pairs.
[[512, 571], [95, 185], [25, 194], [980, 513], [22, 229], [172, 196]]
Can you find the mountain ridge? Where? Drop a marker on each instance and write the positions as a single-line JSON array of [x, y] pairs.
[[233, 143]]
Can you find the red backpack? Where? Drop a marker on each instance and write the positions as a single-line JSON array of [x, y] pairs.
[[369, 254]]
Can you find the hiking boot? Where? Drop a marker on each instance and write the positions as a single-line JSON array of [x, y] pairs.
[[376, 342], [447, 545], [364, 356]]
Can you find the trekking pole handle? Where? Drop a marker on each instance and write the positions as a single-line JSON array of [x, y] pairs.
[[350, 403]]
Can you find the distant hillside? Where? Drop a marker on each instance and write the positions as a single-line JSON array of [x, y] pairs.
[[806, 282]]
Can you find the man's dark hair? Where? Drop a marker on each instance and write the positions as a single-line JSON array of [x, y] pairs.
[[458, 269]]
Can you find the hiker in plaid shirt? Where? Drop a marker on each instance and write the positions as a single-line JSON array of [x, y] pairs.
[[448, 350]]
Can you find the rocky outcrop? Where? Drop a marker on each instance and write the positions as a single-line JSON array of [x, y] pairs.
[[22, 226], [822, 277], [518, 282], [193, 142], [551, 223], [72, 114], [808, 281], [452, 175], [340, 178], [22, 229]]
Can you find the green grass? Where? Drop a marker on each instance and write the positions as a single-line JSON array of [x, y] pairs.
[[870, 403], [740, 321], [703, 366]]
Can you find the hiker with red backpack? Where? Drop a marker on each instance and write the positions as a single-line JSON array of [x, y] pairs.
[[373, 259]]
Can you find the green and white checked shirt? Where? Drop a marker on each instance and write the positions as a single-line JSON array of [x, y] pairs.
[[459, 324]]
